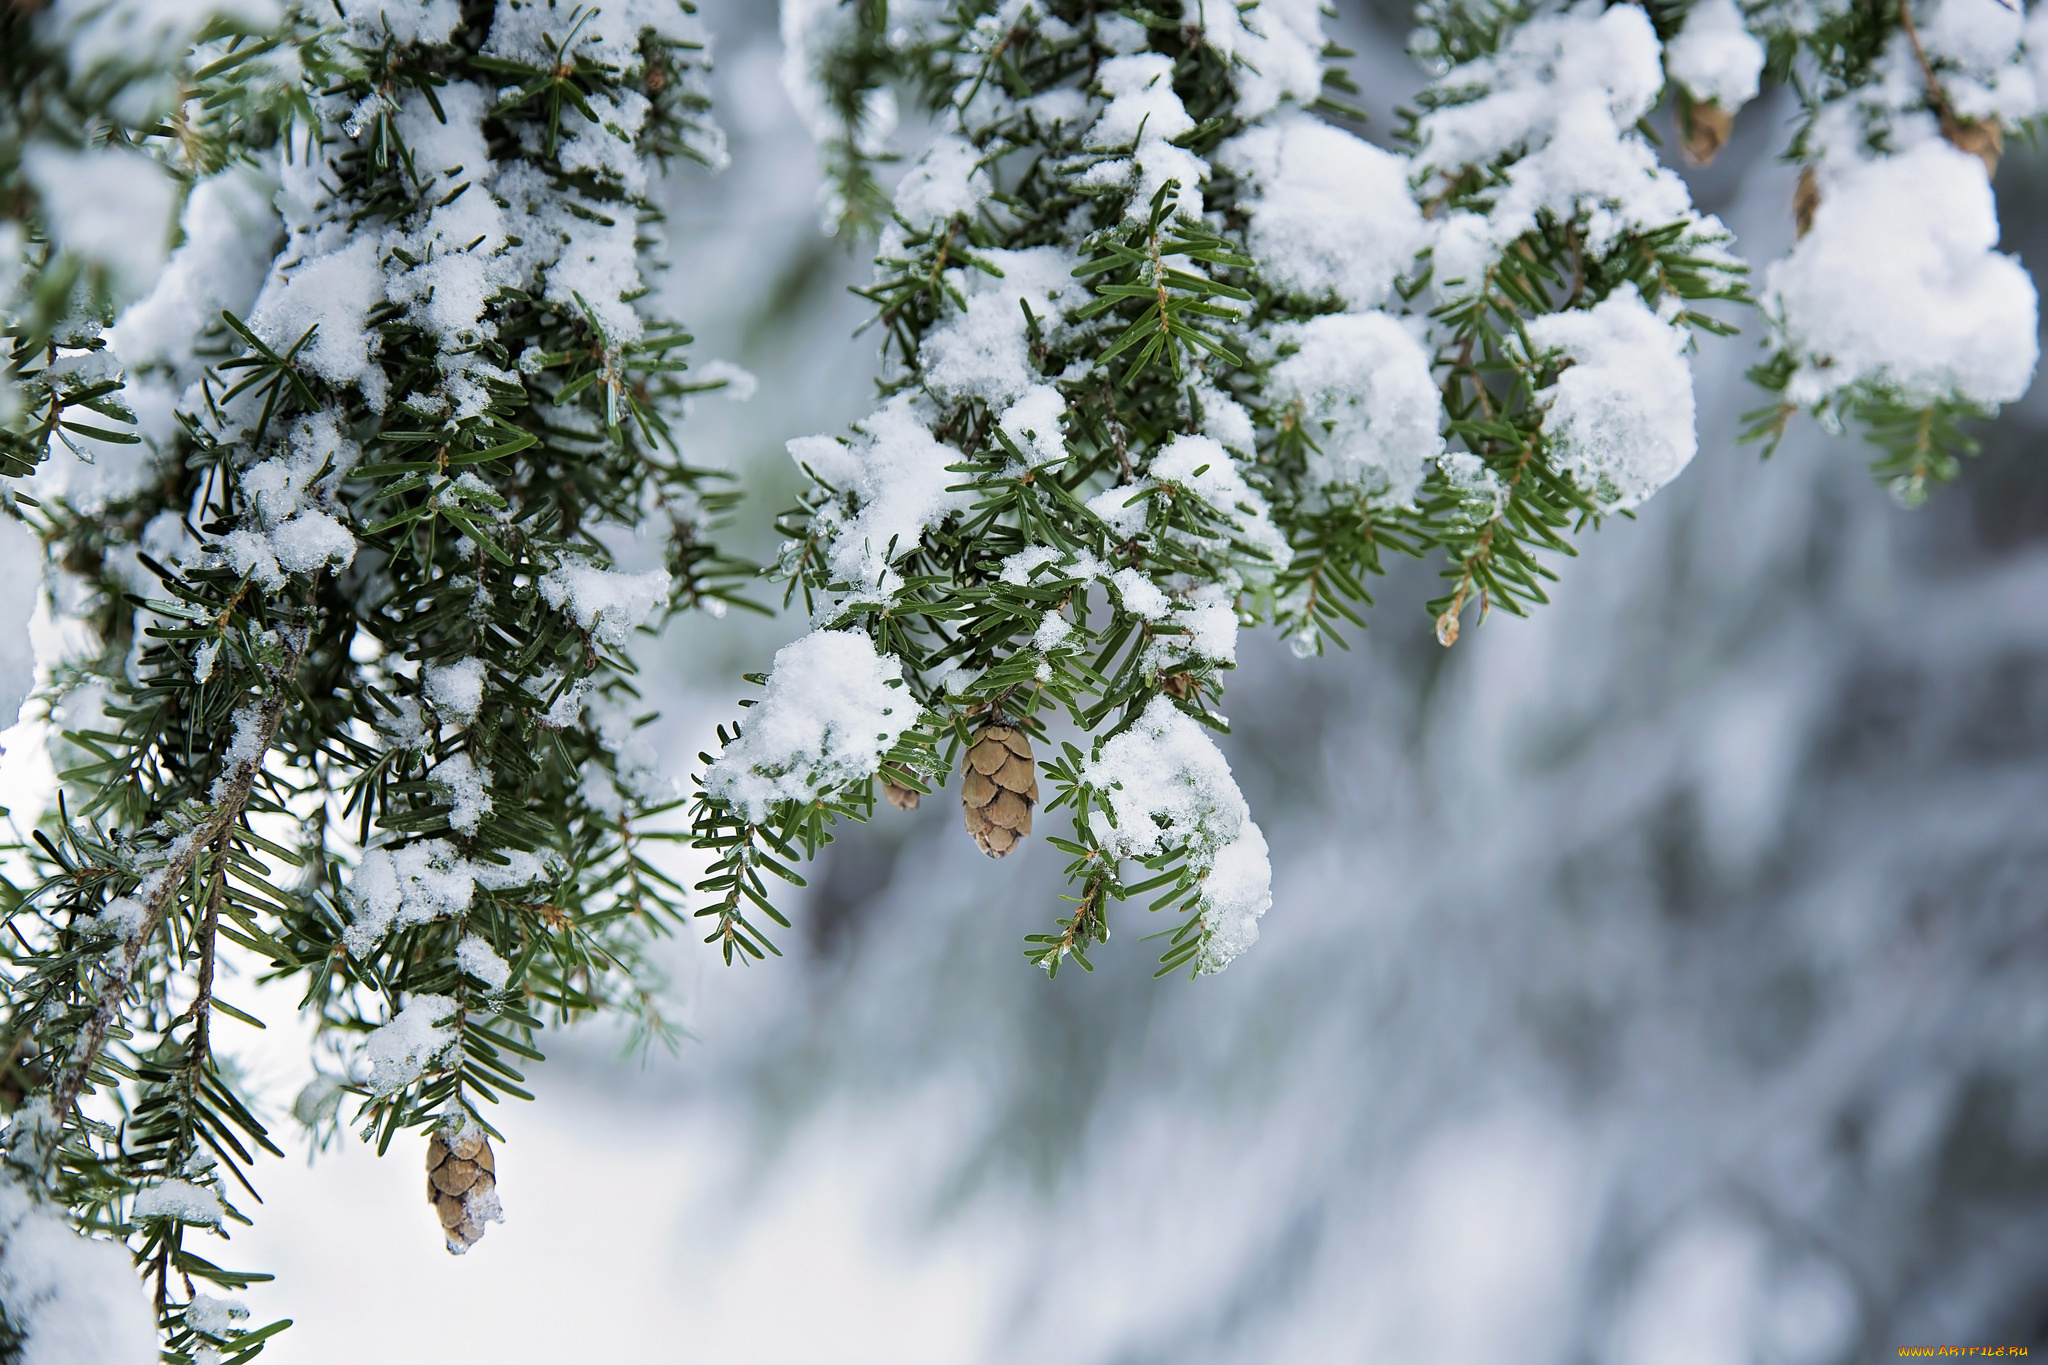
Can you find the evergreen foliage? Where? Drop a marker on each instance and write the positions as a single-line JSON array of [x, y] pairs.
[[363, 700]]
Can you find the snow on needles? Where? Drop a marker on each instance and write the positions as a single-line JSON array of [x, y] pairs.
[[1170, 788], [826, 718], [1715, 57], [896, 479], [1361, 385], [401, 1051], [1562, 97], [1620, 416], [1332, 214], [1900, 284], [73, 1300]]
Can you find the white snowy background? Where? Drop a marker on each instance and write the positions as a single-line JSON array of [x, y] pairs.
[[1656, 981]]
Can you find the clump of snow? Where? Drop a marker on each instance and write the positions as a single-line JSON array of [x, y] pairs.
[[1900, 285], [112, 206], [457, 689], [1715, 57], [475, 956], [826, 718], [1170, 788], [469, 790], [895, 478], [985, 352], [1034, 422], [393, 888], [401, 1051], [333, 293], [946, 181], [1359, 384], [1332, 213], [73, 1300], [605, 602], [181, 1200], [1279, 46], [230, 231], [1559, 102], [534, 31], [1620, 416], [215, 1317], [1143, 114], [122, 916], [425, 22], [139, 34]]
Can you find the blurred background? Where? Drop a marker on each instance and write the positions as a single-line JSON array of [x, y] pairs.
[[1656, 981]]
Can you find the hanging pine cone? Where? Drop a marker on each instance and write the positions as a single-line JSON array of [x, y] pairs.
[[462, 1185], [899, 796], [1706, 126], [1805, 201], [998, 788], [1981, 138]]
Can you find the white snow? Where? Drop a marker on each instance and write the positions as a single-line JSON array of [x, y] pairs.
[[1620, 417], [393, 888], [1900, 285], [111, 206], [457, 689], [1170, 788], [401, 1051], [74, 1300], [1279, 44], [1361, 388], [985, 351], [475, 956], [181, 1200], [1559, 102], [895, 474], [1142, 115], [944, 182], [21, 563], [826, 718], [215, 1317], [230, 232], [605, 602], [1715, 57], [333, 292], [1331, 214], [1035, 423], [469, 790]]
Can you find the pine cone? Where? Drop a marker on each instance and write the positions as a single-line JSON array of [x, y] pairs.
[[1706, 131], [1981, 138], [462, 1185], [998, 788], [902, 798], [1805, 201]]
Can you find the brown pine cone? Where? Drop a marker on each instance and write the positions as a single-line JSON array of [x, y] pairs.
[[902, 798], [1981, 138], [462, 1185], [1706, 128], [998, 788], [1805, 201]]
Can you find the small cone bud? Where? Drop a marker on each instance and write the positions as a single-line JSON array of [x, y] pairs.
[[1981, 138], [1805, 201], [1706, 131], [998, 788], [462, 1184], [902, 798]]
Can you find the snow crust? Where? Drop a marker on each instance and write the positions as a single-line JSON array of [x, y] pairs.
[[825, 719], [605, 602]]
